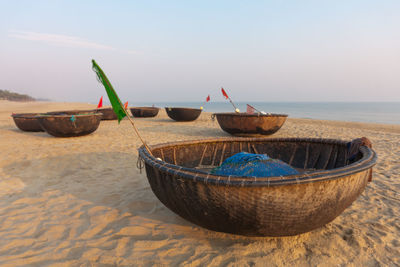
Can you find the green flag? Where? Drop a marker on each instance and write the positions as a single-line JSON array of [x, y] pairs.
[[112, 95]]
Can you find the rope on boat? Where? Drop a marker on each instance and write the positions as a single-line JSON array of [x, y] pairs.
[[140, 163]]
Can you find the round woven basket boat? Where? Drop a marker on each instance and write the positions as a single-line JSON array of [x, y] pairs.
[[258, 206], [108, 113], [183, 114], [244, 124], [70, 125], [27, 122], [144, 112]]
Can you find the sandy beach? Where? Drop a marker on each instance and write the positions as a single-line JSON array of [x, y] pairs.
[[82, 201]]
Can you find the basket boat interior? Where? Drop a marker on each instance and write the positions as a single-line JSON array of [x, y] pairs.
[[306, 155]]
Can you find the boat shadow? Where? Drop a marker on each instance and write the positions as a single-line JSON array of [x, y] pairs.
[[20, 132]]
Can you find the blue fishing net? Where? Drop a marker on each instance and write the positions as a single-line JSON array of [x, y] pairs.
[[253, 165]]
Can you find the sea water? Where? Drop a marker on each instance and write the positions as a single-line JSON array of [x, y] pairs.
[[375, 112]]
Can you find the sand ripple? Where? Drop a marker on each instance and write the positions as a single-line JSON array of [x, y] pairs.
[[82, 202]]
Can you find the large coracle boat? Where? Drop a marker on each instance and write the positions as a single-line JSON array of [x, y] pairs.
[[70, 125], [27, 122], [329, 180], [183, 114], [244, 124], [144, 112]]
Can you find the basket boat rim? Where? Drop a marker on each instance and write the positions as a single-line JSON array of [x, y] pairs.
[[183, 108], [25, 115], [234, 114], [144, 108], [367, 161], [68, 115]]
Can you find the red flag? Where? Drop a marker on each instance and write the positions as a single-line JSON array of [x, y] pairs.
[[100, 102], [250, 109], [126, 105], [224, 93], [208, 98]]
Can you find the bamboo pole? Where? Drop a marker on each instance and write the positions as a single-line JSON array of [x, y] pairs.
[[120, 104]]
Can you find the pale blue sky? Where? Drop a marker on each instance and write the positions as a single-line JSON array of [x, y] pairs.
[[184, 50]]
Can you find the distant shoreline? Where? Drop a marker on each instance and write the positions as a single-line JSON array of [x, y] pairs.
[[12, 96], [36, 105]]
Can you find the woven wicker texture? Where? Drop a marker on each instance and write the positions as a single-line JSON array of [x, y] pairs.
[[27, 122], [243, 124], [108, 113], [258, 206], [70, 125], [183, 114], [144, 112]]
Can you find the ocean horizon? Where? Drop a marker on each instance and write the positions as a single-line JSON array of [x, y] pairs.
[[370, 112]]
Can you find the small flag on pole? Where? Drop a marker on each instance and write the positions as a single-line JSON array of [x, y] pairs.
[[224, 93], [100, 102], [126, 105], [230, 100], [207, 99], [250, 109]]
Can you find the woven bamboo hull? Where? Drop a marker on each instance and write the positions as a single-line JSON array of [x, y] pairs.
[[183, 114], [243, 124], [63, 126], [27, 122], [144, 112], [274, 206], [108, 113]]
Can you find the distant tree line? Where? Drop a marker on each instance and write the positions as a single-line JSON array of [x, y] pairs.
[[7, 95]]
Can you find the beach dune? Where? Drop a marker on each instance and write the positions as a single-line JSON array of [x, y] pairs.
[[82, 201]]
